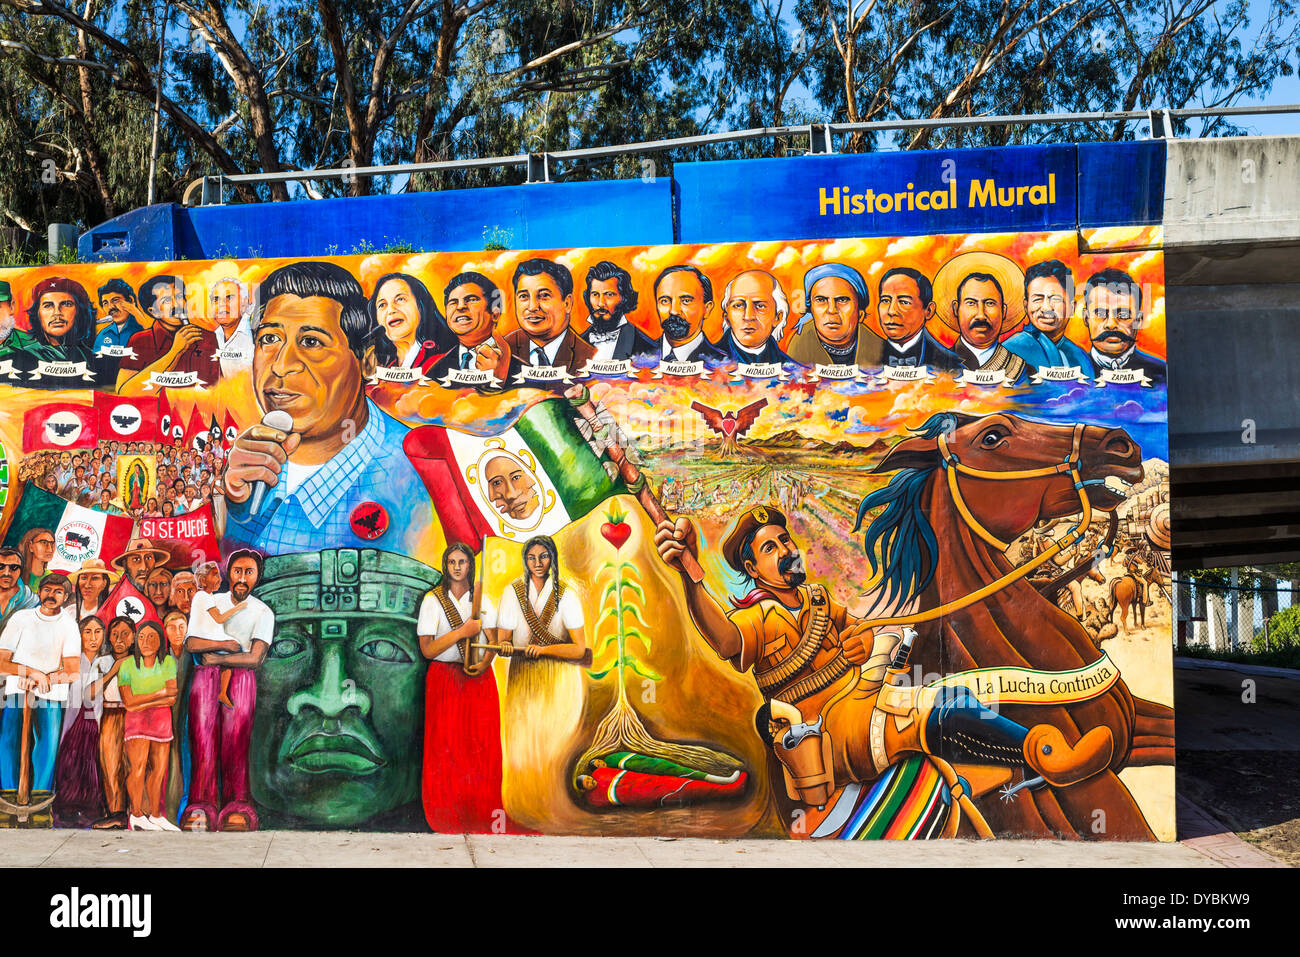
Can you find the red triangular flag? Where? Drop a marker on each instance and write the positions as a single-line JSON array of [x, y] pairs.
[[230, 431], [164, 417], [126, 600], [59, 425], [194, 427]]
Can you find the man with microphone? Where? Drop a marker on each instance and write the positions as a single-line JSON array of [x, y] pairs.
[[325, 467]]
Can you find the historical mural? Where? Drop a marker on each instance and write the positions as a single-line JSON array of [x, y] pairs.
[[828, 540]]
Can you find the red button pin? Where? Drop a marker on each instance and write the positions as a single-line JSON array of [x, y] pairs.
[[369, 520]]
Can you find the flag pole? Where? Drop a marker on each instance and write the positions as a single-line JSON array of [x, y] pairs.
[[633, 477]]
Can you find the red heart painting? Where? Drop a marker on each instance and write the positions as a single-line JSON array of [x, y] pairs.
[[616, 533]]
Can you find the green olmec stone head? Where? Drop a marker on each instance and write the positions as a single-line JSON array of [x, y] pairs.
[[340, 697]]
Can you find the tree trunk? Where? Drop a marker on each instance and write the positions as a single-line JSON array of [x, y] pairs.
[[248, 81], [94, 156], [448, 31], [360, 138]]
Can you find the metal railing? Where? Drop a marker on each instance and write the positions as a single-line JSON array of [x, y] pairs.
[[538, 165]]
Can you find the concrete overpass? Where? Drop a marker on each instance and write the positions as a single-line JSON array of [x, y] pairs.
[[1232, 272]]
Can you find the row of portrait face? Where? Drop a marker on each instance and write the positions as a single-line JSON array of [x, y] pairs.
[[755, 306], [61, 310], [403, 313]]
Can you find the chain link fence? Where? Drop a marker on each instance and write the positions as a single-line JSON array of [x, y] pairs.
[[1262, 616]]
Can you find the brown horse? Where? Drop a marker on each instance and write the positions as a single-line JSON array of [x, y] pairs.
[[1125, 591], [924, 546]]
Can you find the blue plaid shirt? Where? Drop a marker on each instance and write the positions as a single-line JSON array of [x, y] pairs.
[[318, 514]]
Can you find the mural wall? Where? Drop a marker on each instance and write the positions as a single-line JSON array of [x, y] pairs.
[[847, 539]]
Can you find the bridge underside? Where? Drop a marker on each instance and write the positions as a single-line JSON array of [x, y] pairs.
[[1234, 404]]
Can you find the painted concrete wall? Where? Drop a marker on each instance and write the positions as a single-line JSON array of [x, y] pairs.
[[707, 491]]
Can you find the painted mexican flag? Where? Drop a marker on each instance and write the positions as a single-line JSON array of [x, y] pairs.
[[79, 533], [531, 479]]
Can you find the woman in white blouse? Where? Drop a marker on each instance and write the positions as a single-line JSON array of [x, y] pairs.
[[541, 629], [461, 782]]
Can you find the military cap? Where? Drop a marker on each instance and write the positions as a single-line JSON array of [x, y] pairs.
[[5, 294], [345, 582], [750, 521]]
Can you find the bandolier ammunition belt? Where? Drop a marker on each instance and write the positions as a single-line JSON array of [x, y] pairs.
[[539, 628], [819, 622]]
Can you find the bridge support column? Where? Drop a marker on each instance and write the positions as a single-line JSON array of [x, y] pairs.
[[1216, 622]]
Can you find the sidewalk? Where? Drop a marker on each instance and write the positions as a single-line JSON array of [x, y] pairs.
[[350, 849], [1213, 664]]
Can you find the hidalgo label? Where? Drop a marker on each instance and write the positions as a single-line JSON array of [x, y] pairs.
[[759, 370]]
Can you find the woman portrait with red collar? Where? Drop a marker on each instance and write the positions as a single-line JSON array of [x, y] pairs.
[[409, 330]]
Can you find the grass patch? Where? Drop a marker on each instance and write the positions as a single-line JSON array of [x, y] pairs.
[[1288, 657]]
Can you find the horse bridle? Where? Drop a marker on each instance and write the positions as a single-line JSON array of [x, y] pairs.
[[953, 466]]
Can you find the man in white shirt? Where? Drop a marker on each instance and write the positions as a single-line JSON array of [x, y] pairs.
[[40, 653], [472, 303], [756, 308], [543, 303], [234, 338], [610, 297], [238, 642], [980, 311]]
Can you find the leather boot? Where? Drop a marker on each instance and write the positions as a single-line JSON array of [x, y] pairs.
[[1059, 763], [111, 822]]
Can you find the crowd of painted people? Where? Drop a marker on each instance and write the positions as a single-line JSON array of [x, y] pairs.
[[182, 482], [105, 688]]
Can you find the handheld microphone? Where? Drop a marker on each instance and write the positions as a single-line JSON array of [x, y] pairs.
[[281, 421]]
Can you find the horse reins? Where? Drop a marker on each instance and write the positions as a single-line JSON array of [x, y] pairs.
[[953, 466]]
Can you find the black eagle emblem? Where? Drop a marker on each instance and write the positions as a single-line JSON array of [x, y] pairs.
[[370, 520], [62, 429], [129, 610], [122, 421]]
